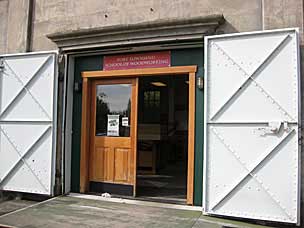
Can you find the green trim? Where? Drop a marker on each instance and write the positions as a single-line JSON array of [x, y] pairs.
[[199, 141], [81, 64]]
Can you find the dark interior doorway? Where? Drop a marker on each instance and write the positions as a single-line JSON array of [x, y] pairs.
[[162, 150]]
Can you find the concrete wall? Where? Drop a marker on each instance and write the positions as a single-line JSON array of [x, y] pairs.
[[62, 15], [3, 25], [283, 14], [17, 29], [14, 26]]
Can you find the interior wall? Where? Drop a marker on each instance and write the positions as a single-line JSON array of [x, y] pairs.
[[181, 115]]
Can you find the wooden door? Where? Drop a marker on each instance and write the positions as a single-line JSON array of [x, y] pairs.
[[113, 136]]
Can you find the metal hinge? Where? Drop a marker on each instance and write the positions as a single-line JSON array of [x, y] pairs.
[[300, 141], [61, 66], [1, 64]]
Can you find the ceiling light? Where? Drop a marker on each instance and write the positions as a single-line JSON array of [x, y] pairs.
[[158, 84]]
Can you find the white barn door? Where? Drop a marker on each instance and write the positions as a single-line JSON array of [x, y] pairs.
[[27, 122], [252, 97]]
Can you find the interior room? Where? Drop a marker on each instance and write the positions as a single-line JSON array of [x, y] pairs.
[[162, 148]]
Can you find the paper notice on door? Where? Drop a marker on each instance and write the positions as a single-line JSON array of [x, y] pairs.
[[113, 125], [125, 121]]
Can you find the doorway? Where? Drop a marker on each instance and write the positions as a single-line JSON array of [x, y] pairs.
[[94, 147], [162, 146]]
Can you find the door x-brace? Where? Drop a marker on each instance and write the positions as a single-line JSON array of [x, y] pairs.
[[24, 88], [252, 171], [250, 78], [22, 156]]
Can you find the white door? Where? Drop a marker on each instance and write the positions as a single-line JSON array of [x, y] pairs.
[[27, 122], [252, 104]]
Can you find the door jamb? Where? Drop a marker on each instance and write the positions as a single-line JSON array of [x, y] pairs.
[[85, 125]]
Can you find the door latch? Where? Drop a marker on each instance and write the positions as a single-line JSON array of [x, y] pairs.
[[273, 128]]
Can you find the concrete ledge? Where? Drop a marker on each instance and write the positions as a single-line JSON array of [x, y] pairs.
[[136, 202], [160, 31]]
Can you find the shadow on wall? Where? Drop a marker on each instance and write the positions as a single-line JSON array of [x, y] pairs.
[[225, 28]]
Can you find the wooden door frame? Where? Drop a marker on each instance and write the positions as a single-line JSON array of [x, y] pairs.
[[88, 76]]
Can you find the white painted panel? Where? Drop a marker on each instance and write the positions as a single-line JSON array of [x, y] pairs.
[[251, 167], [27, 122]]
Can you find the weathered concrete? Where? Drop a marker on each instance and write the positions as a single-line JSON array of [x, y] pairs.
[[284, 14], [72, 212], [3, 25], [17, 29], [8, 206], [62, 15], [76, 212]]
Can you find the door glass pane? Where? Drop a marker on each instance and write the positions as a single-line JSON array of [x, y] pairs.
[[113, 110]]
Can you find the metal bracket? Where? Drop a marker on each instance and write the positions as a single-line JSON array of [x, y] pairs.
[[273, 128], [78, 87], [61, 66], [286, 127]]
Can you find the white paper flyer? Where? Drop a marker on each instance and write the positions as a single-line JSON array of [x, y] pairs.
[[113, 125]]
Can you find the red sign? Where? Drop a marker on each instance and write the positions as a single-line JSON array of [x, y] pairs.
[[143, 60]]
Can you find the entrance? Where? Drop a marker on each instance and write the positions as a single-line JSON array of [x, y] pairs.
[[162, 149], [111, 154]]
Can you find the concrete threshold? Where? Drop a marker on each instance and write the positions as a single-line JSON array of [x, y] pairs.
[[136, 202]]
